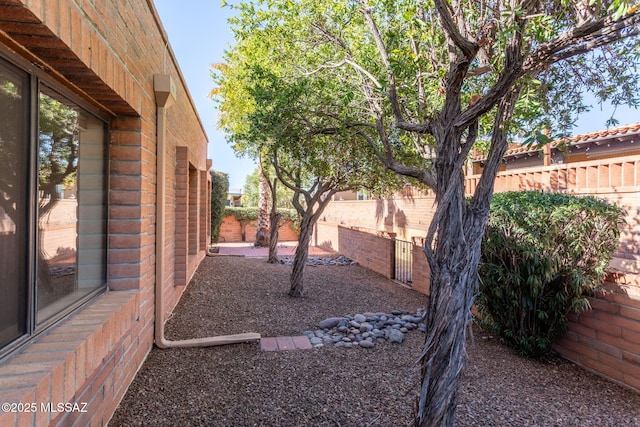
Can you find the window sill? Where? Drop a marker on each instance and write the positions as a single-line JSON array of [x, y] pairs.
[[58, 367]]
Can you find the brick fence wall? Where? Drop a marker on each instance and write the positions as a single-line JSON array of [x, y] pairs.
[[605, 339], [232, 231], [372, 249]]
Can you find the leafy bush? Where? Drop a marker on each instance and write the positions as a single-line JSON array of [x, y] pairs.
[[541, 255], [219, 191], [245, 215]]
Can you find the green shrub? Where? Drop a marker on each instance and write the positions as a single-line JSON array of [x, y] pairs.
[[542, 254], [219, 191]]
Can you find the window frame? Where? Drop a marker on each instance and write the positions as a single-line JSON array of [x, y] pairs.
[[37, 78]]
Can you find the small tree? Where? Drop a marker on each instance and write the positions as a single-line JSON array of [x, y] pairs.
[[313, 154], [219, 191]]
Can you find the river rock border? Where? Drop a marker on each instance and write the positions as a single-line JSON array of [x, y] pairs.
[[318, 260], [363, 330]]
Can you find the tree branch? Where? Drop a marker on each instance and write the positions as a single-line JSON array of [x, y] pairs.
[[382, 49], [605, 28], [468, 48]]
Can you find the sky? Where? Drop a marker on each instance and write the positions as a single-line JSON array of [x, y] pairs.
[[199, 34]]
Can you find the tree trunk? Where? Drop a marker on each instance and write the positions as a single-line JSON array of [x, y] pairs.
[[274, 222], [456, 237], [262, 232], [300, 258], [273, 238], [453, 283]]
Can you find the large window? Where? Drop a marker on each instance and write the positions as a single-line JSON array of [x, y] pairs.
[[52, 205]]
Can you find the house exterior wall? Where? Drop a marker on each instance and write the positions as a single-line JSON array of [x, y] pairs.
[[106, 53], [605, 339]]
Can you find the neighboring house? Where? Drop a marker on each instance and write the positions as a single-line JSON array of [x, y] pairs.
[[234, 198], [90, 93], [605, 144]]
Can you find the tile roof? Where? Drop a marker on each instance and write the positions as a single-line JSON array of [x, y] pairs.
[[631, 129]]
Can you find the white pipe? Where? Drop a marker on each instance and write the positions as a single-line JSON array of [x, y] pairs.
[[163, 101]]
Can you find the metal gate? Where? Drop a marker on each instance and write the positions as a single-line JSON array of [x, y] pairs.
[[403, 262]]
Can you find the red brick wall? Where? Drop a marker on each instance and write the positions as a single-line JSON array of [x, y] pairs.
[[408, 217], [421, 275], [371, 249], [232, 231], [107, 53], [606, 339]]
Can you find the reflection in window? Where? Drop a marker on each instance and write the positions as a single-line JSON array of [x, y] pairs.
[[13, 202], [71, 214], [52, 206]]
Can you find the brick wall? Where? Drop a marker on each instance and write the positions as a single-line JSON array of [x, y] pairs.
[[107, 53], [232, 231], [606, 339], [372, 249]]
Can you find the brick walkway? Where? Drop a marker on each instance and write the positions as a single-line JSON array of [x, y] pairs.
[[285, 343]]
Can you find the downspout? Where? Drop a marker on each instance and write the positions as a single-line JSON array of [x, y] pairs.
[[165, 93]]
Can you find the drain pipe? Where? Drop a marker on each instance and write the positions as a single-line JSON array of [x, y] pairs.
[[165, 93]]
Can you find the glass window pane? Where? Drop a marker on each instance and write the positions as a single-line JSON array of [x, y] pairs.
[[14, 167], [71, 205]]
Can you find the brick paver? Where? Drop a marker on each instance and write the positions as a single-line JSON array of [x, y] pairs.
[[285, 343]]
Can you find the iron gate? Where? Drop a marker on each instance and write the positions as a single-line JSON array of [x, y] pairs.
[[403, 261]]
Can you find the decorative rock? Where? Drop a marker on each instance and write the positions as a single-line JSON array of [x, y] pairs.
[[330, 322], [362, 330], [367, 326], [394, 336], [317, 261], [360, 318]]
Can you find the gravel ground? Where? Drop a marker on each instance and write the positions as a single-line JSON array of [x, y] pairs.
[[240, 385]]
